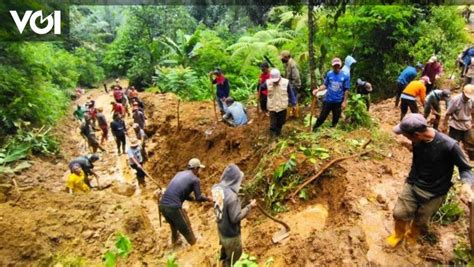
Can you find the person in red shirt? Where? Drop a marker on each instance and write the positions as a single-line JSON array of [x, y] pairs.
[[263, 92], [433, 70], [117, 108]]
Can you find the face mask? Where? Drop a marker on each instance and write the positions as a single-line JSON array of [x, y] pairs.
[[284, 60]]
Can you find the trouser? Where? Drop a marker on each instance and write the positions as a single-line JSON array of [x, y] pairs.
[[406, 103], [277, 120], [366, 98], [92, 141], [458, 135], [400, 88], [120, 141], [179, 222], [220, 104], [105, 132], [231, 249], [140, 174], [336, 110], [86, 179], [427, 112], [263, 103], [417, 205]]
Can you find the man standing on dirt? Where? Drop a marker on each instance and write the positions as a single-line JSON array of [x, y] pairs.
[[229, 213], [235, 113], [432, 103], [433, 70], [138, 116], [458, 114], [119, 131], [87, 166], [292, 74], [87, 131], [117, 109], [407, 75], [141, 136], [429, 180], [179, 190], [222, 88], [280, 96], [262, 94], [413, 90], [103, 125], [337, 84], [135, 159]]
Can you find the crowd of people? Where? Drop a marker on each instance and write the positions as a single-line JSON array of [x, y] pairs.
[[434, 153]]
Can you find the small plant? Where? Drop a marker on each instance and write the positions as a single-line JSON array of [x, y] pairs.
[[246, 261], [123, 247], [463, 255], [356, 113], [171, 261], [450, 211], [284, 180]]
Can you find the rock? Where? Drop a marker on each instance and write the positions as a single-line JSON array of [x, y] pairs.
[[87, 234], [381, 199], [123, 189]]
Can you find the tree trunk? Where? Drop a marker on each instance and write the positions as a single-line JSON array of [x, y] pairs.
[[312, 63]]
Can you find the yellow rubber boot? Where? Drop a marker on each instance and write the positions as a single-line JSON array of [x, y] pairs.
[[412, 235], [398, 233]]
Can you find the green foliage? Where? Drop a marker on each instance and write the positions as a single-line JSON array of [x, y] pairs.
[[123, 246], [171, 261], [463, 255], [356, 113], [450, 211], [90, 72], [246, 261], [61, 260], [284, 181], [182, 81]]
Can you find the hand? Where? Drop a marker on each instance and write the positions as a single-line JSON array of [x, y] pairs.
[[315, 92], [466, 193], [442, 129], [253, 203], [343, 105]]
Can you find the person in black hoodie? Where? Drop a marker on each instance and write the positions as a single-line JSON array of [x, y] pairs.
[[229, 213]]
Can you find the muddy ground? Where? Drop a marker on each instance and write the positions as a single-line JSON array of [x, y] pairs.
[[345, 221]]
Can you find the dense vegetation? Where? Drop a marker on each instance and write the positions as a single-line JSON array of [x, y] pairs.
[[172, 48]]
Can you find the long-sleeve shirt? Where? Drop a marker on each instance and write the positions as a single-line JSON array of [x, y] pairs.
[[118, 127], [431, 70], [433, 164], [180, 188], [416, 89], [292, 73], [407, 75], [139, 118], [236, 111], [433, 99], [223, 89], [460, 113]]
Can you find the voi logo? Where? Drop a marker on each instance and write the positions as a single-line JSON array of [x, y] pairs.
[[53, 21]]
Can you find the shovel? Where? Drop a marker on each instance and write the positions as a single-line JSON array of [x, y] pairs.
[[280, 235]]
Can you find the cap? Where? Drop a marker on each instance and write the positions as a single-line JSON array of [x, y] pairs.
[[446, 93], [469, 91], [275, 75], [217, 71], [426, 79], [229, 100], [433, 59], [285, 53], [336, 61], [195, 163], [93, 157], [134, 142], [411, 123], [75, 166]]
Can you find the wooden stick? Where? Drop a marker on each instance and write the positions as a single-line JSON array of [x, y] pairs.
[[16, 189], [151, 178], [313, 103], [322, 170], [214, 101]]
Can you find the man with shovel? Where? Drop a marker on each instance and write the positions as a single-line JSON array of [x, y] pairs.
[[179, 190], [135, 159], [229, 213], [434, 157]]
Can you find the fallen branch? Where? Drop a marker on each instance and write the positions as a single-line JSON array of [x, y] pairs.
[[323, 169], [16, 189]]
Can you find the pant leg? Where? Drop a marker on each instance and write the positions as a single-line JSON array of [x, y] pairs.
[[140, 174], [231, 249], [426, 111], [220, 104], [184, 227], [281, 119], [169, 214], [406, 207], [273, 123], [123, 142], [263, 103], [413, 106], [400, 88], [426, 210], [336, 113], [323, 115], [403, 108]]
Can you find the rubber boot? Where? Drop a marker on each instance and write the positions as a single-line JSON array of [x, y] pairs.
[[411, 236], [398, 233]]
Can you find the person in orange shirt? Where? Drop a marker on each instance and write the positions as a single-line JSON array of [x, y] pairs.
[[413, 90]]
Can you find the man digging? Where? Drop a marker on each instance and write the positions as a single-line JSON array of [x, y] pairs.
[[434, 157]]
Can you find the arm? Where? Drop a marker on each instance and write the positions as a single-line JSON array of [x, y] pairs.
[[236, 213], [347, 86], [463, 165], [197, 192], [295, 76]]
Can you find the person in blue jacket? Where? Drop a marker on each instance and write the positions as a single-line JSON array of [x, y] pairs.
[[337, 84], [407, 75], [348, 62]]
